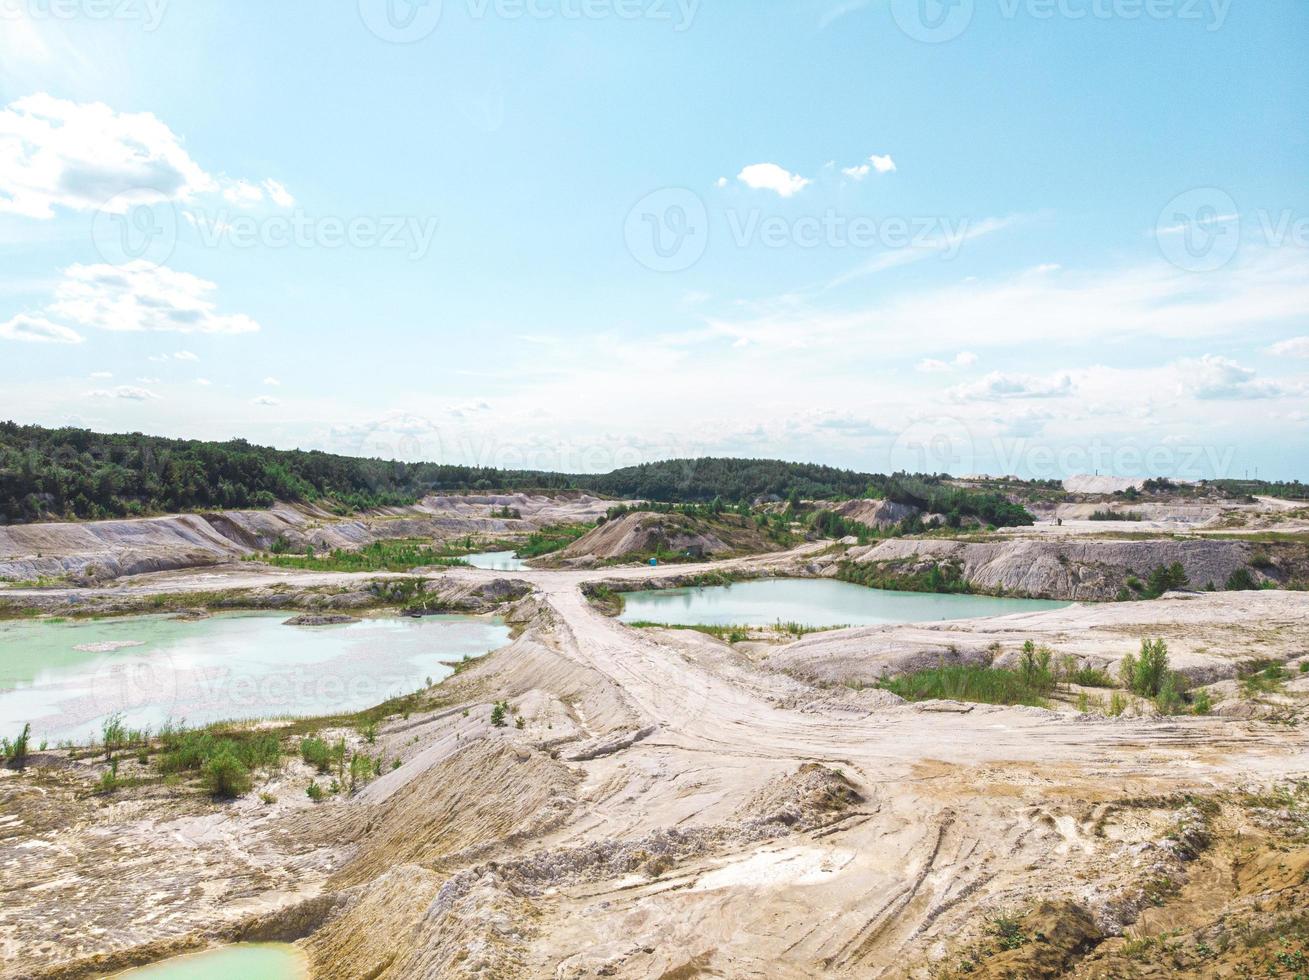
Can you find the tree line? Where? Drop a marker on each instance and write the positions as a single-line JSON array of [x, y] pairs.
[[70, 473]]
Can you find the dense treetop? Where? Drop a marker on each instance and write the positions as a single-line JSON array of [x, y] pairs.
[[75, 473]]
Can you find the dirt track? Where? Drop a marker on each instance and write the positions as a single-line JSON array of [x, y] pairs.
[[674, 808]]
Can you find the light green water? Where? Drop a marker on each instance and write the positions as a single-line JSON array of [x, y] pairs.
[[812, 602], [247, 961], [67, 677], [500, 561]]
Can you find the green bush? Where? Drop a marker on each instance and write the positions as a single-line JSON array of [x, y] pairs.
[[315, 792], [1091, 677], [16, 751], [1241, 580], [316, 753], [225, 774], [1145, 675], [967, 682], [498, 712], [1202, 704]]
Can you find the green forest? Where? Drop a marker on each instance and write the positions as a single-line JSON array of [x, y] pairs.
[[53, 474]]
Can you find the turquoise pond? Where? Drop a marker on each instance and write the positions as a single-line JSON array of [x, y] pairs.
[[246, 961], [66, 677], [812, 602], [500, 561]]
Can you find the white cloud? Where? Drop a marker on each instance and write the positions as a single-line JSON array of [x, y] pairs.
[[998, 386], [931, 365], [140, 296], [1294, 347], [272, 382], [278, 194], [1214, 378], [123, 392], [54, 152], [203, 382], [185, 355], [38, 330], [721, 182], [265, 400], [101, 375], [84, 156], [771, 177], [1262, 288], [882, 164]]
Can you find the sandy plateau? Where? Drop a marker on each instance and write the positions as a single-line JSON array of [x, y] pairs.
[[673, 806]]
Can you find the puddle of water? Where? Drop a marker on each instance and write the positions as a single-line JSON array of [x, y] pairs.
[[67, 677], [500, 561], [248, 961], [812, 602]]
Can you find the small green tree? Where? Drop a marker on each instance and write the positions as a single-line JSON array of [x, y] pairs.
[[17, 750], [225, 775], [1145, 675], [1202, 704], [113, 735], [498, 714]]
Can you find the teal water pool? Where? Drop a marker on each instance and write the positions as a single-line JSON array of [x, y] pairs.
[[66, 677], [812, 602], [246, 961]]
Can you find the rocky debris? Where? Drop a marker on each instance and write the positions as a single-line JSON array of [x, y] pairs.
[[880, 514], [1075, 569], [598, 748], [321, 619], [647, 532], [98, 551]]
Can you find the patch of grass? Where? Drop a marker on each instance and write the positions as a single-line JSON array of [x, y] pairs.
[[396, 555], [969, 682], [1091, 677], [548, 540], [223, 759], [731, 634], [944, 577]]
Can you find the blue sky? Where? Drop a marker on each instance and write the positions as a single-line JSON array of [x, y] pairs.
[[1033, 236]]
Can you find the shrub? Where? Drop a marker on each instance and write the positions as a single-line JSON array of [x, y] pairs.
[[225, 775], [1117, 704], [1091, 677], [498, 714], [113, 735], [1202, 704], [967, 682], [1034, 667], [1169, 699], [1241, 580], [316, 753], [108, 781], [1145, 675], [1166, 578], [16, 751], [361, 767], [315, 792]]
